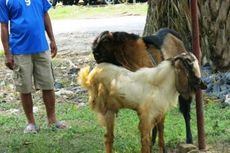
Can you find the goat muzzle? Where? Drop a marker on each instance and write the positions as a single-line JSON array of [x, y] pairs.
[[196, 83], [202, 85]]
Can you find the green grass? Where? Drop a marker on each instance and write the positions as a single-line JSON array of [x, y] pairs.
[[76, 12], [85, 135]]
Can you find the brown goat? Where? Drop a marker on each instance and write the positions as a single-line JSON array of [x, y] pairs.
[[151, 92], [134, 52], [130, 50]]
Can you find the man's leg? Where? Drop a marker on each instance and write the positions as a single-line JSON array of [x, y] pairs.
[[49, 100], [23, 81], [27, 104], [44, 80]]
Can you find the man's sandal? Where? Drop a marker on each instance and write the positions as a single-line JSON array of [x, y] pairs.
[[58, 125], [31, 128]]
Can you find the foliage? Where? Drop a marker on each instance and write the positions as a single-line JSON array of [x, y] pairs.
[[96, 2], [68, 2]]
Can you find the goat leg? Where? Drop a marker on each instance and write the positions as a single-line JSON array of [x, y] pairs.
[[185, 107], [188, 128], [145, 130], [161, 143], [109, 124]]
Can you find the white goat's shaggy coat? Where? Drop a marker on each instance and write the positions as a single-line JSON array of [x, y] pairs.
[[149, 91]]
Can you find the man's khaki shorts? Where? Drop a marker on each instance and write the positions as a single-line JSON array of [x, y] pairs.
[[33, 68]]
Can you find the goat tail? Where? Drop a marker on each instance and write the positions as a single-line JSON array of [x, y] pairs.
[[83, 77]]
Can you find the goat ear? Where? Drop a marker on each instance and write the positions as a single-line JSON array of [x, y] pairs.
[[182, 84]]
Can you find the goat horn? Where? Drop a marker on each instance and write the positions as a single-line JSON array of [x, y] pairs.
[[183, 57]]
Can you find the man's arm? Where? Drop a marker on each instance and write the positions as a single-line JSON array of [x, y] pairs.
[[49, 30], [5, 42]]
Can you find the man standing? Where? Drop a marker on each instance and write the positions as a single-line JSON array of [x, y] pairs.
[[23, 27]]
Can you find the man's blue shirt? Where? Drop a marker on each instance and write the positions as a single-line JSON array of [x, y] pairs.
[[27, 28]]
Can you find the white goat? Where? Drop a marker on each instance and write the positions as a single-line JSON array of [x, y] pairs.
[[151, 92]]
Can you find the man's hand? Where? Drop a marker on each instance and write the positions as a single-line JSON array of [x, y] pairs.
[[9, 61], [49, 30], [53, 48]]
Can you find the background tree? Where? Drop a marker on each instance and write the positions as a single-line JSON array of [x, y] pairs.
[[214, 18]]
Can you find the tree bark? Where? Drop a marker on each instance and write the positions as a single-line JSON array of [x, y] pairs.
[[214, 18], [215, 32]]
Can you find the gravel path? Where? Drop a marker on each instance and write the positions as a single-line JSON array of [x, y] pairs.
[[76, 36]]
